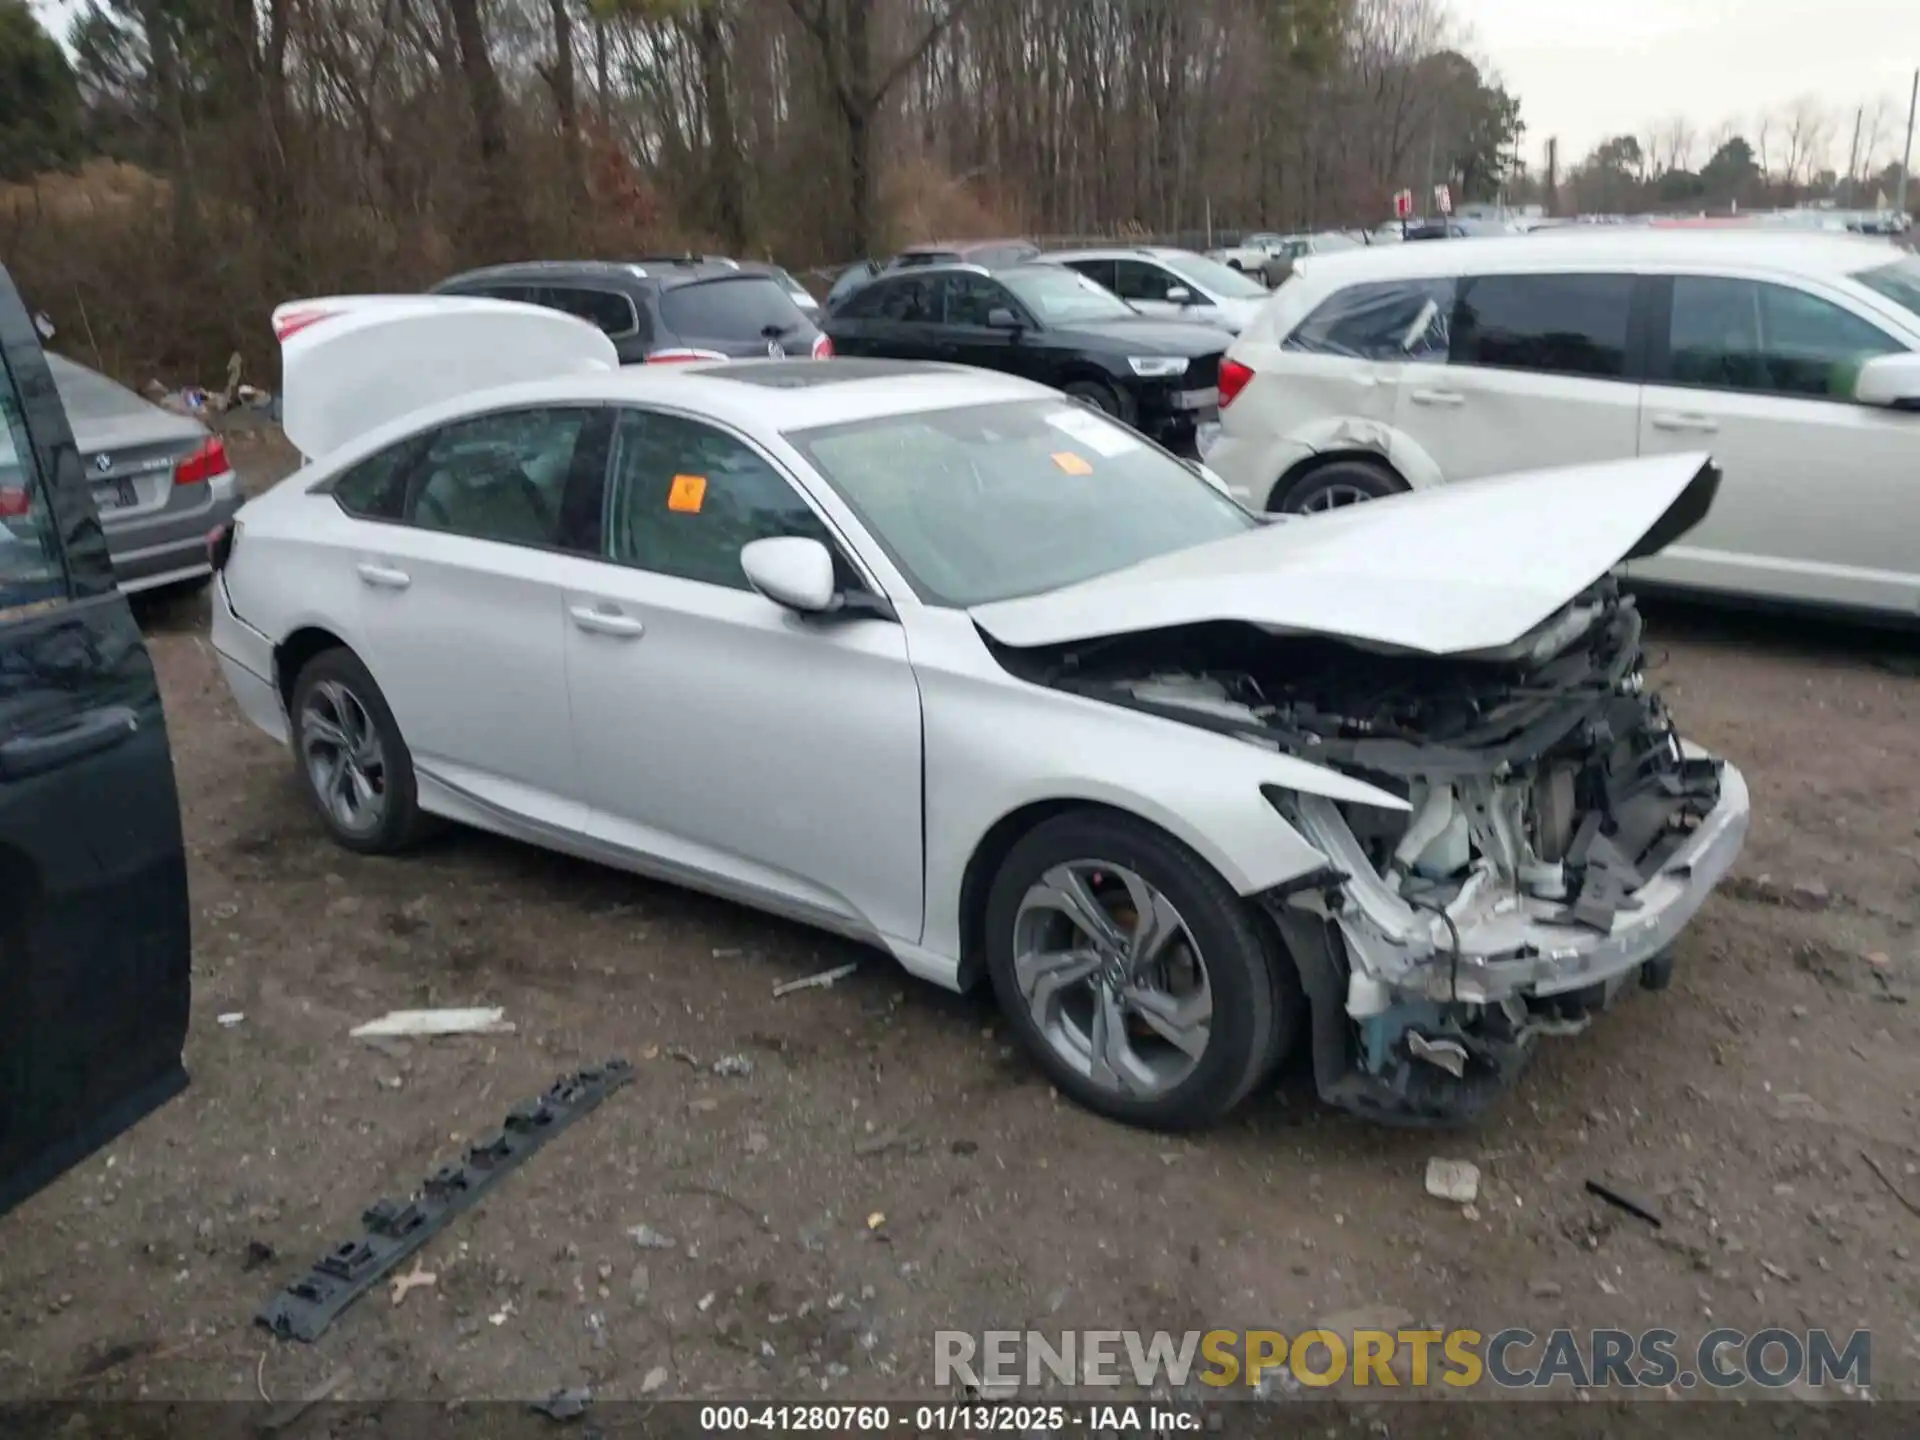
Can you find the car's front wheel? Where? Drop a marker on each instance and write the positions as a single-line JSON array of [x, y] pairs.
[[1134, 975], [356, 767]]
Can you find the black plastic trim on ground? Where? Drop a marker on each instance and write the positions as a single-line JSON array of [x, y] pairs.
[[394, 1231]]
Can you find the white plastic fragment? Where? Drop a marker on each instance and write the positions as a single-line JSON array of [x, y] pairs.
[[823, 981], [472, 1021], [1455, 1180]]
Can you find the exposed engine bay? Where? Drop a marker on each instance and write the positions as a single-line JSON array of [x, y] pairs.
[[1557, 835]]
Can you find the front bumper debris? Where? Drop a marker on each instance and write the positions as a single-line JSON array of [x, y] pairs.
[[1418, 1020]]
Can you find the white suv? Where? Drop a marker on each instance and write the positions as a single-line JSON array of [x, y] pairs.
[[1794, 359]]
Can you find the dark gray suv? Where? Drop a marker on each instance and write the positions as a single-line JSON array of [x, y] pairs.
[[657, 310]]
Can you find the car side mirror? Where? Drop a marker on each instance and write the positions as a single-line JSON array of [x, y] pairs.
[[1890, 381], [792, 571], [1001, 318], [1179, 295]]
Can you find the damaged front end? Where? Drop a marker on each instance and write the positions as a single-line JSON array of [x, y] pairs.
[[1559, 834]]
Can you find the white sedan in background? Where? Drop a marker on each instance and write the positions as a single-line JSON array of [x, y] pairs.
[[941, 661]]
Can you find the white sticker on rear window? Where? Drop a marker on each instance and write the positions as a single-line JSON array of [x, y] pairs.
[[1099, 435]]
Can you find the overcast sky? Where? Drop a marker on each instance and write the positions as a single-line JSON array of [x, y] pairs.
[[1585, 70]]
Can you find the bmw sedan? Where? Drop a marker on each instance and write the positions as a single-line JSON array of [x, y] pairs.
[[944, 663]]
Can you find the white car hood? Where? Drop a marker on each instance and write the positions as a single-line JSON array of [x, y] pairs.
[[1459, 568]]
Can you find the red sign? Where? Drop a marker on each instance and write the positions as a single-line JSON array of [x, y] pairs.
[[1403, 204]]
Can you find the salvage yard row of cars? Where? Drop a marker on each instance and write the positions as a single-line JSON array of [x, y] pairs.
[[1193, 762]]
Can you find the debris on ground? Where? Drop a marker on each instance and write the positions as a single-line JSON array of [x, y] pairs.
[[415, 1279], [230, 1019], [875, 1144], [648, 1238], [876, 1220], [284, 1415], [1455, 1180], [564, 1404], [394, 1230], [656, 1377], [1623, 1202], [825, 980], [736, 1067], [471, 1021], [1545, 1289], [757, 1142]]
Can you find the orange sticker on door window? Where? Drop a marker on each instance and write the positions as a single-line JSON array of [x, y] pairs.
[[688, 494], [1071, 463]]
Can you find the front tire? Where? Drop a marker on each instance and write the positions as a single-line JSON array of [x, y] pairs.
[[1139, 981], [1097, 394], [353, 762]]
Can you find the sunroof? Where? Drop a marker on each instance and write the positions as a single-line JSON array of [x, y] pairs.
[[807, 374]]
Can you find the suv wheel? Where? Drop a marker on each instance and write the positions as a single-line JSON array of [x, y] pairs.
[[1344, 482]]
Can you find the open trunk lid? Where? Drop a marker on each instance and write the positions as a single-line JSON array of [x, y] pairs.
[[1452, 570], [351, 363]]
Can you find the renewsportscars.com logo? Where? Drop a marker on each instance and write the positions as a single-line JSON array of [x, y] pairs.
[[1513, 1359]]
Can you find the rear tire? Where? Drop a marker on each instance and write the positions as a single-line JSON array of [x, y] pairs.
[[1219, 985], [353, 762], [1337, 485]]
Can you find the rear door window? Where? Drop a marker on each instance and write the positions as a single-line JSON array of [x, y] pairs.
[[1101, 272], [1137, 280], [498, 477], [742, 311], [31, 573], [608, 310], [1551, 324], [1391, 320], [972, 299]]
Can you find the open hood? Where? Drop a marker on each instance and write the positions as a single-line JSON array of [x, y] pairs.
[[351, 363], [1452, 570]]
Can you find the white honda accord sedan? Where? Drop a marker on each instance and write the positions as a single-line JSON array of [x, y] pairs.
[[939, 660]]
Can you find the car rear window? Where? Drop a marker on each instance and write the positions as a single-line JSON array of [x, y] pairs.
[[749, 307]]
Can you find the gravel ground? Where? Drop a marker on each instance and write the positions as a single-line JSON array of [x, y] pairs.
[[889, 1166]]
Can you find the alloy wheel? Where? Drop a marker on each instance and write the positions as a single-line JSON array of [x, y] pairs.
[[345, 762], [1112, 978], [1334, 497]]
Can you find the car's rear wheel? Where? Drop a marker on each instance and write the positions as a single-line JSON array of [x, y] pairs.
[[1335, 486], [356, 767], [1133, 974]]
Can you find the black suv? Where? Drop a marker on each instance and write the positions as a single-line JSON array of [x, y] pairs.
[[682, 307], [1046, 323], [95, 927]]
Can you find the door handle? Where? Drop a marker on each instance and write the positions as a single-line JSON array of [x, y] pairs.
[[383, 577], [86, 734], [1450, 399], [1686, 424], [606, 622]]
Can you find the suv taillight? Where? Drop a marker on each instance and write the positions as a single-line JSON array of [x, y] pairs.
[[1233, 379], [203, 464], [823, 348], [14, 502]]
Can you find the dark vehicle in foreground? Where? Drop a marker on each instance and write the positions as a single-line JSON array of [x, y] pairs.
[[1043, 322], [160, 481], [658, 311], [95, 930]]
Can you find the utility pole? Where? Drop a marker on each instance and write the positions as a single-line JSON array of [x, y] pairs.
[[1853, 152], [1906, 153]]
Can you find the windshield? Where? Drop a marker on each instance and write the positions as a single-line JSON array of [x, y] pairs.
[[1062, 297], [991, 502], [1217, 279], [1899, 282]]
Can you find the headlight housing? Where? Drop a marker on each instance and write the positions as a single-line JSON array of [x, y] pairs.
[[1157, 367]]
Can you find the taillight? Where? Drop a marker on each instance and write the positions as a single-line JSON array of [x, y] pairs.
[[220, 544], [203, 464], [14, 502], [682, 356], [1233, 379], [823, 348], [288, 323]]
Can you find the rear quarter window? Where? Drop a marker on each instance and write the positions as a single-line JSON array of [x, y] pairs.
[[1387, 320], [749, 308]]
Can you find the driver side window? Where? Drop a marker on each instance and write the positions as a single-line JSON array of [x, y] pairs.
[[1137, 280], [971, 299], [498, 477], [685, 498]]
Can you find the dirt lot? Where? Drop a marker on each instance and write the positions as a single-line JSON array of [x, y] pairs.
[[1743, 1104]]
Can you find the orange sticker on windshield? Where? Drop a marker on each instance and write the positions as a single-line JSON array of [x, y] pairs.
[[1071, 463], [688, 494]]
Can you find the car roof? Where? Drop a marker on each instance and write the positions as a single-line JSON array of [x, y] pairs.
[[1117, 252], [784, 395], [1796, 252], [961, 247], [663, 270]]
